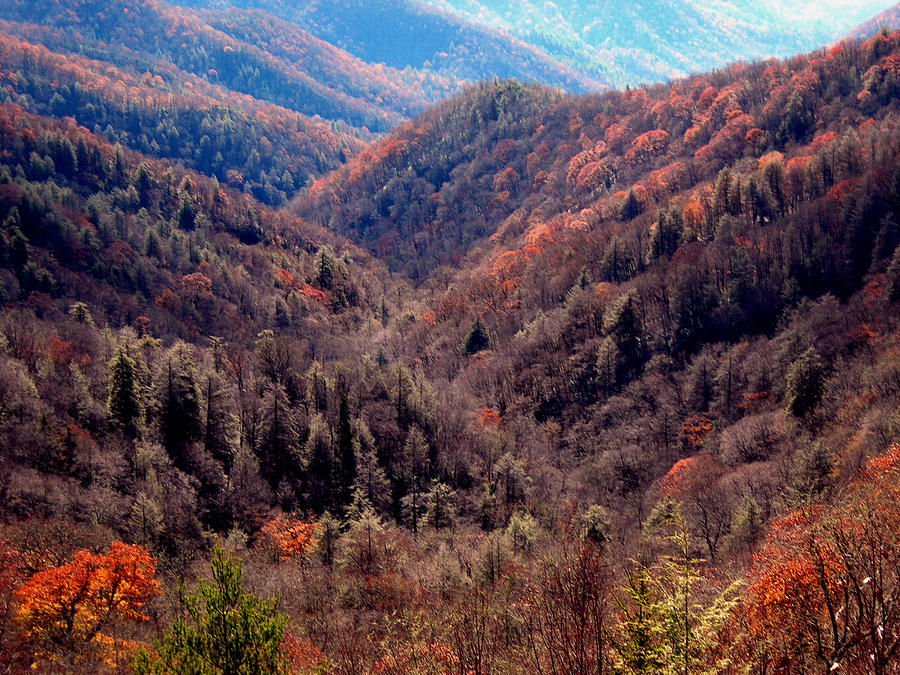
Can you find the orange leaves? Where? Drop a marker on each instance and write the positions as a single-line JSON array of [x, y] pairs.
[[196, 284], [769, 157], [690, 475], [668, 180], [301, 654], [505, 180], [649, 144], [820, 590], [694, 431], [579, 162], [234, 178], [488, 417], [284, 279], [504, 150], [73, 602], [693, 214], [884, 468], [863, 335], [63, 352], [595, 175], [290, 538], [794, 584], [393, 149], [753, 138], [753, 402], [314, 294]]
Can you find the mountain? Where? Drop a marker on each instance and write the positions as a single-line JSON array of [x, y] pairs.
[[652, 41], [300, 73], [889, 18], [407, 34], [533, 382]]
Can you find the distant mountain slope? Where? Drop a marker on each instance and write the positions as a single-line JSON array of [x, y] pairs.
[[407, 92], [889, 18], [410, 34], [654, 357], [184, 38], [503, 165], [651, 41], [132, 235], [434, 187], [161, 111]]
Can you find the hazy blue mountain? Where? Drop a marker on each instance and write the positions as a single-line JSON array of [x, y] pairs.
[[411, 34], [889, 18], [632, 42]]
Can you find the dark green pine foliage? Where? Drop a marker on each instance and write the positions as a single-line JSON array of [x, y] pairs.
[[278, 452], [346, 453], [477, 340], [124, 401], [325, 272], [217, 431], [666, 236], [320, 473], [227, 631], [180, 414], [805, 383], [624, 327]]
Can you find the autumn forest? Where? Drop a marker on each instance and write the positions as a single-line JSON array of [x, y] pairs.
[[318, 356]]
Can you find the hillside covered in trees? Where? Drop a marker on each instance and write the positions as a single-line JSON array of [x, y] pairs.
[[631, 43], [536, 382]]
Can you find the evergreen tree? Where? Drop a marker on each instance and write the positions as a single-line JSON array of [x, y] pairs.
[[180, 404], [805, 383], [477, 340], [668, 625], [320, 468], [665, 237], [413, 469], [227, 630], [440, 506], [346, 454], [278, 452], [325, 271], [124, 397], [218, 427], [621, 323], [371, 481]]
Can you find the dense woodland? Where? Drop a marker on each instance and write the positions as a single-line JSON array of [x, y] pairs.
[[538, 382], [666, 38]]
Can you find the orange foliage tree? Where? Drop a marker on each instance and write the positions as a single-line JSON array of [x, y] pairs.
[[290, 538], [825, 589], [68, 606]]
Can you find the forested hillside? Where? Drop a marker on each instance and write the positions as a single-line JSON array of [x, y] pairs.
[[889, 18], [537, 382], [652, 41], [407, 34]]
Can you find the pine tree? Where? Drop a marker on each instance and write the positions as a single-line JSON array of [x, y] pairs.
[[477, 340], [227, 630], [320, 464], [805, 383], [124, 399], [346, 454], [180, 411]]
